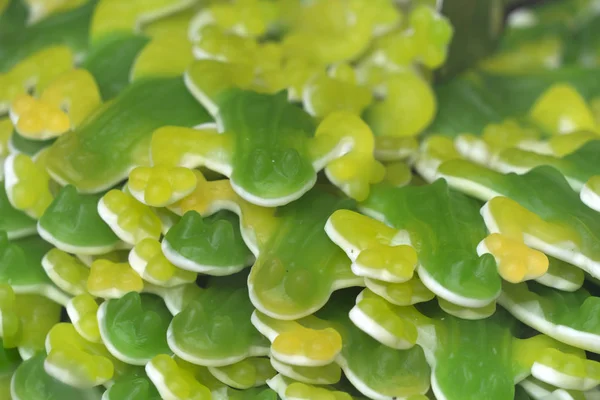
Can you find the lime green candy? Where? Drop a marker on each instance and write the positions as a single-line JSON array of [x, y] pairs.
[[134, 386], [248, 373], [134, 327], [214, 329], [72, 224], [45, 387], [67, 272], [326, 375], [448, 261], [211, 245], [14, 222], [21, 267], [174, 381], [289, 389], [569, 317]]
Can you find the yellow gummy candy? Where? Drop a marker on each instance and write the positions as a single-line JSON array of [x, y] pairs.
[[113, 280], [318, 345], [82, 311], [40, 9], [161, 185], [174, 382], [158, 268], [27, 183]]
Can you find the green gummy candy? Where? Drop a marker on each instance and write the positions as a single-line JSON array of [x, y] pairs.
[[27, 146], [14, 222], [135, 386], [299, 267], [271, 157], [248, 394], [45, 387], [214, 329], [9, 360], [212, 245], [444, 228], [72, 224], [101, 152], [134, 327]]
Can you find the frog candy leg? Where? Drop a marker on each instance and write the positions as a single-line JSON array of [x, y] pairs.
[[177, 297], [174, 382], [134, 327], [401, 294], [14, 222], [325, 375], [539, 390], [565, 316], [287, 389], [271, 236], [251, 372], [204, 333], [562, 276], [590, 193], [342, 144], [67, 272], [82, 311], [361, 354], [521, 212], [112, 280], [472, 281]]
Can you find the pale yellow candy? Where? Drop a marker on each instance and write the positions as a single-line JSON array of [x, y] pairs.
[[166, 55], [561, 109], [113, 280], [39, 119], [29, 189], [158, 270], [161, 186], [82, 311], [175, 382]]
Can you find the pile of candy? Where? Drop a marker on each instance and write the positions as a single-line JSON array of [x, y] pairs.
[[227, 200]]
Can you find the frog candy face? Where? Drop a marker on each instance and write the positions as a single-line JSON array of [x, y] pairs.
[[134, 327], [204, 333]]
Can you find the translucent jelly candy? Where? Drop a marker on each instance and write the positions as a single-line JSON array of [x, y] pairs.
[[159, 186], [287, 389], [67, 272], [147, 259], [134, 386], [174, 382], [431, 35], [129, 219], [383, 253], [406, 293], [245, 374], [272, 167], [326, 375], [537, 208], [82, 310], [562, 276], [27, 183], [96, 155], [211, 245], [113, 280], [204, 333], [14, 222], [21, 267], [134, 327], [569, 317], [46, 387], [72, 224]]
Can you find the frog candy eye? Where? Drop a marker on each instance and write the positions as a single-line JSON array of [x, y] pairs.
[[67, 272], [147, 259], [325, 375], [131, 220], [82, 310], [113, 280], [159, 186], [75, 361], [174, 382], [294, 344], [27, 184], [245, 374], [143, 336], [211, 245], [72, 223]]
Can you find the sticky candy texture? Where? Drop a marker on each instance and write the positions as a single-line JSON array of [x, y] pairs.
[[75, 361], [72, 224], [559, 224], [160, 186], [27, 183], [147, 259], [21, 267], [96, 155], [472, 280], [82, 310], [569, 317], [214, 329], [245, 374], [134, 327], [112, 280], [46, 387], [67, 272], [211, 245], [174, 382], [129, 219]]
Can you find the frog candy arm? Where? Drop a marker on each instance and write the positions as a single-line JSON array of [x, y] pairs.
[[326, 375], [112, 280], [552, 312], [27, 183], [214, 329], [46, 386], [590, 193], [289, 389], [82, 310], [521, 210], [67, 272], [376, 250], [72, 223], [406, 293], [21, 267], [467, 312], [62, 106], [433, 151], [344, 145], [248, 373], [75, 361], [211, 245], [562, 276], [147, 259], [294, 344], [134, 327], [174, 382], [34, 72]]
